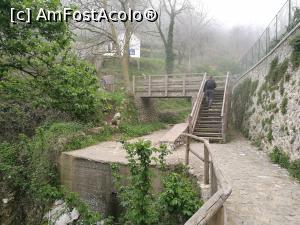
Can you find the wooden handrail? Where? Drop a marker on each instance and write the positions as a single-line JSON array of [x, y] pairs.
[[220, 188], [225, 93], [224, 113], [196, 107]]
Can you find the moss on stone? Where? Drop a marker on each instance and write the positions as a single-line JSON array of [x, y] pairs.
[[283, 105], [295, 57]]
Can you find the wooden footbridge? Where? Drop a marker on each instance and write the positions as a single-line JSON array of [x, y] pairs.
[[203, 122]]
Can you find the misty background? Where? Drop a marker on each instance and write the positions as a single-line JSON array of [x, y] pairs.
[[208, 36]]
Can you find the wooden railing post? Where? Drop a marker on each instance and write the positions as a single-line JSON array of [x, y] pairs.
[[149, 85], [213, 180], [187, 150], [184, 85], [206, 165], [133, 84], [166, 84]]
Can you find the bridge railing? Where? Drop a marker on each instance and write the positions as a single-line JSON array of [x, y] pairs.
[[225, 105], [169, 85], [212, 212], [285, 20], [197, 106]]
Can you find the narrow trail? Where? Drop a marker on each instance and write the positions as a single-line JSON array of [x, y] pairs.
[[263, 193]]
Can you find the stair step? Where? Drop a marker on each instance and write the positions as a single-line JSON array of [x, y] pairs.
[[211, 118], [210, 125], [208, 130], [206, 134], [209, 113]]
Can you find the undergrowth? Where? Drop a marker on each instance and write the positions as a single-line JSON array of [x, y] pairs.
[[281, 158]]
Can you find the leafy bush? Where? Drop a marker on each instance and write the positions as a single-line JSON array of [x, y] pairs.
[[28, 173], [137, 198], [294, 169], [174, 205], [279, 157], [179, 199], [71, 87]]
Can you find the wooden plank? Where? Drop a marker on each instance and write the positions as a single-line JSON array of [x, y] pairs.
[[206, 165], [183, 85], [149, 85], [207, 211], [166, 85]]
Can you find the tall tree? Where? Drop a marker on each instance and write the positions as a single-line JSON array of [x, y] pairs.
[[170, 8], [99, 35]]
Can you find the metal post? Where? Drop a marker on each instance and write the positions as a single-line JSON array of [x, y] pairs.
[[290, 14], [276, 27]]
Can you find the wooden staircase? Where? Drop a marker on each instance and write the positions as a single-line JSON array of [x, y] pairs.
[[211, 123]]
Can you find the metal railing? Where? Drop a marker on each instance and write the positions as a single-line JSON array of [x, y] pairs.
[[284, 21], [212, 211]]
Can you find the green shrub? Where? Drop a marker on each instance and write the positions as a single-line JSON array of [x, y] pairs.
[[137, 198], [279, 157], [294, 169], [28, 171], [277, 72], [179, 199]]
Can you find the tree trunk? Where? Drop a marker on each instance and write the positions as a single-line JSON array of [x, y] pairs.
[[169, 47], [125, 60]]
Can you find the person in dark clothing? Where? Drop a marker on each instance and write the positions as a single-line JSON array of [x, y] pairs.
[[209, 88]]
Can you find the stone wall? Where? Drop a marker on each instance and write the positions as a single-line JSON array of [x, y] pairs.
[[146, 109], [272, 115]]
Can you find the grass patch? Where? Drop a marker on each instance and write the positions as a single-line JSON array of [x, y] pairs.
[[279, 157], [140, 129], [172, 111]]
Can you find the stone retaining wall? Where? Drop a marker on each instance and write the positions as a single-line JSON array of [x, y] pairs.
[[266, 123]]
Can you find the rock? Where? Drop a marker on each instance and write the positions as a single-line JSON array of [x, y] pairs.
[[116, 119], [75, 214], [60, 214], [117, 116], [58, 202], [64, 219]]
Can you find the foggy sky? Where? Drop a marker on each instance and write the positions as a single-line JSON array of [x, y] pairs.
[[230, 13]]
